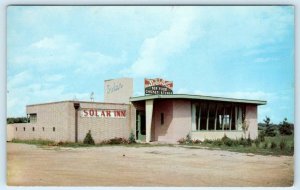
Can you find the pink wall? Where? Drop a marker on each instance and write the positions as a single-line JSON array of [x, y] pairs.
[[251, 119], [177, 120]]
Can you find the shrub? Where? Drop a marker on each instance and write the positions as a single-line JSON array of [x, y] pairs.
[[261, 136], [117, 140], [88, 139], [257, 142], [242, 141], [208, 141], [273, 145], [282, 144], [227, 141], [292, 148], [188, 138], [245, 142], [181, 141], [131, 138], [196, 141], [285, 128], [270, 130], [266, 145], [217, 142], [248, 141]]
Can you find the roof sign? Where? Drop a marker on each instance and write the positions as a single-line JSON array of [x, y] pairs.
[[158, 86]]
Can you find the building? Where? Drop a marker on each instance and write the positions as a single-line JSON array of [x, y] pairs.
[[160, 116]]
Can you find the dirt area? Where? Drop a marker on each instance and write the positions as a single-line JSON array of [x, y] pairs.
[[143, 166]]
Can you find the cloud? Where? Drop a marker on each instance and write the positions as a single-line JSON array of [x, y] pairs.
[[155, 50], [19, 79], [38, 92], [46, 43], [53, 78], [96, 62]]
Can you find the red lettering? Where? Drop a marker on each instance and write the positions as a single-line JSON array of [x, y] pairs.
[[117, 113], [97, 113], [85, 113], [108, 113], [123, 113], [92, 112], [103, 114]]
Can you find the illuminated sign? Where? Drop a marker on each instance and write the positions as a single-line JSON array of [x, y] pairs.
[[158, 86], [103, 113]]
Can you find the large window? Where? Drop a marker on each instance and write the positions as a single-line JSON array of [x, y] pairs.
[[203, 117], [218, 116]]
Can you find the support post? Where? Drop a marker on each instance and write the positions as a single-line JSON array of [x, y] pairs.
[[216, 116], [235, 118], [207, 118], [223, 118], [199, 118], [194, 127], [149, 113], [230, 118]]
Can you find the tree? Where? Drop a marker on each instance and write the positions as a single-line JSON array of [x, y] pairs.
[[88, 139], [11, 120], [285, 128], [270, 131]]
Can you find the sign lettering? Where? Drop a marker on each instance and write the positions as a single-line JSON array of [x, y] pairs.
[[103, 113], [158, 86]]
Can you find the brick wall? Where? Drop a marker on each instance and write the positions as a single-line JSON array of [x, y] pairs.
[[61, 116]]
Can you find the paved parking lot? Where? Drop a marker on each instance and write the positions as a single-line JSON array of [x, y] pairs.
[[29, 165]]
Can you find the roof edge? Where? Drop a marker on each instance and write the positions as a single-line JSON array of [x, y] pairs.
[[72, 101], [197, 97]]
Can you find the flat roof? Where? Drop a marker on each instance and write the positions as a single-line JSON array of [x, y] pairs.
[[73, 101], [197, 97]]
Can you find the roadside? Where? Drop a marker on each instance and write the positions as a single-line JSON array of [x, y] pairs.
[[143, 165]]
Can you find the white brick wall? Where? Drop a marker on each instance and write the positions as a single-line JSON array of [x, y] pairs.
[[61, 115]]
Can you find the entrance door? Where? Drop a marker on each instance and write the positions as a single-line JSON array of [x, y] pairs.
[[140, 125]]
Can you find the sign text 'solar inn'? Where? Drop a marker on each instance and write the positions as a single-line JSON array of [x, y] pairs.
[[160, 116]]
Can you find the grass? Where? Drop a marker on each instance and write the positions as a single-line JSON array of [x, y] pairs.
[[262, 148], [40, 142], [255, 147]]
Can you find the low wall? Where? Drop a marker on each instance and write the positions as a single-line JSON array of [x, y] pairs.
[[16, 131], [213, 135], [10, 132]]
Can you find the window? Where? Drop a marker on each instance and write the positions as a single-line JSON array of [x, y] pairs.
[[53, 129], [16, 129], [33, 117], [24, 128], [32, 128], [198, 116], [210, 115], [203, 119], [162, 121], [43, 128]]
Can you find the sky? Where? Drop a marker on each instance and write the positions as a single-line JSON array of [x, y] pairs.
[[59, 53]]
